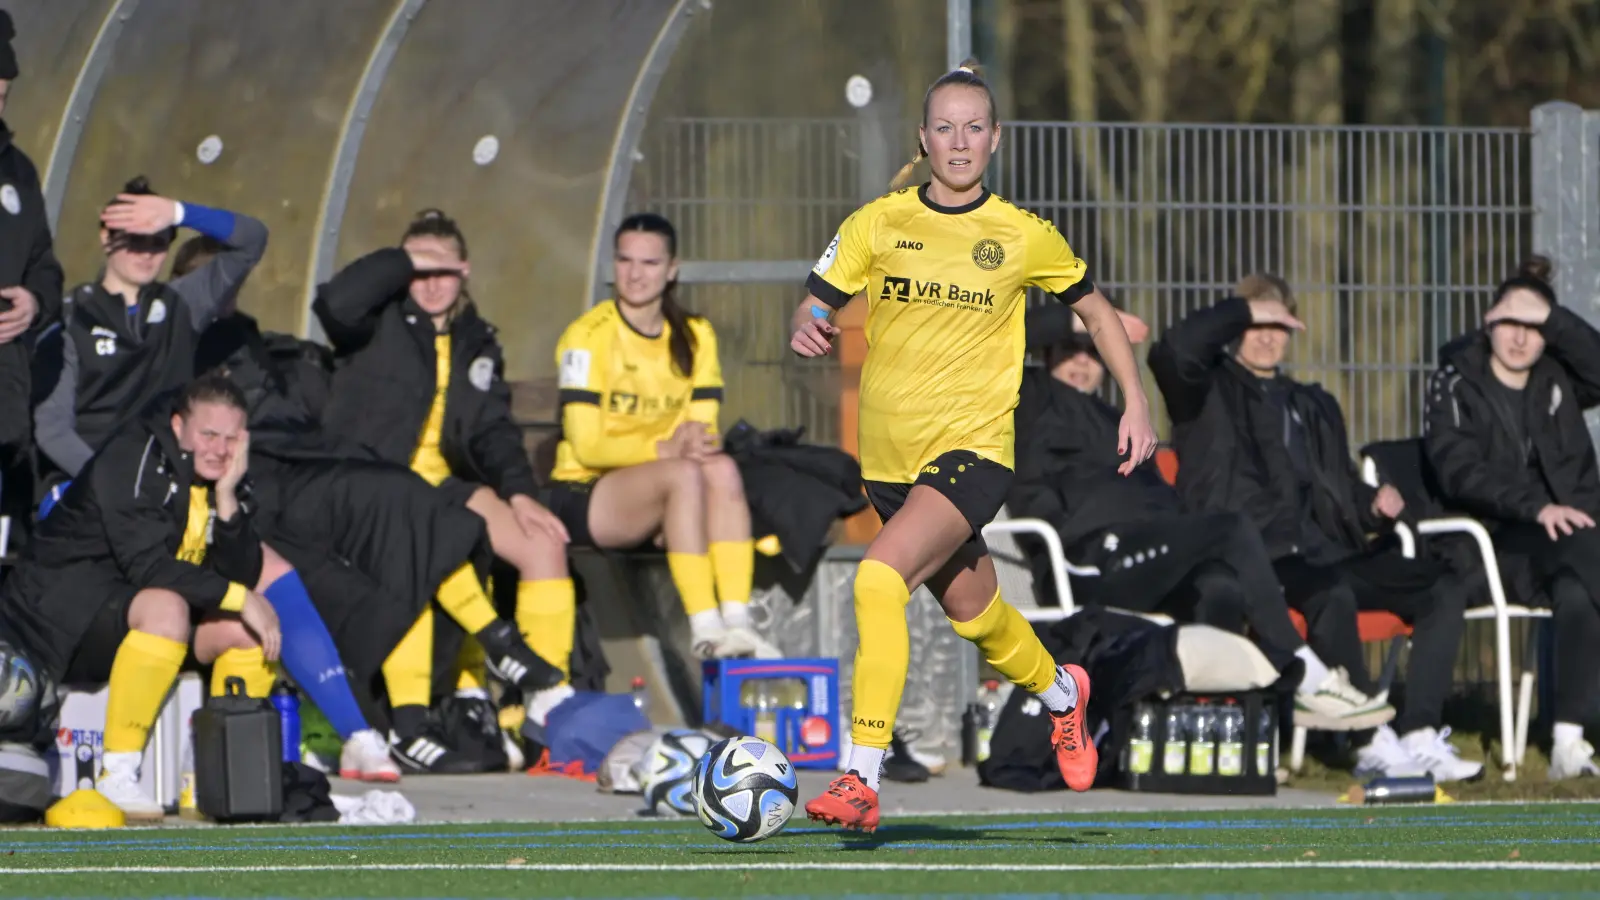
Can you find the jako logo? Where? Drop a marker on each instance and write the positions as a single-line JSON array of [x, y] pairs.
[[871, 723], [908, 245], [930, 470]]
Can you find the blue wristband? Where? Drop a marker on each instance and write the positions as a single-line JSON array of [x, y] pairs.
[[213, 223]]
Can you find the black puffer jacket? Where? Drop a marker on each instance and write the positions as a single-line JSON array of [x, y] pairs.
[[1067, 451], [385, 376], [1480, 463], [27, 259], [126, 512], [1231, 451], [796, 491]]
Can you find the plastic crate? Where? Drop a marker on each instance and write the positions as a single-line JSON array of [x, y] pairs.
[[802, 718]]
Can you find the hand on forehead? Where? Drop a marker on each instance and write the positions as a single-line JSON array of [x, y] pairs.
[[1519, 305]]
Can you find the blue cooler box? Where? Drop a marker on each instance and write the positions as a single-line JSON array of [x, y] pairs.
[[794, 703]]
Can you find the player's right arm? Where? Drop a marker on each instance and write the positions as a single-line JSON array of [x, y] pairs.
[[581, 362], [839, 275]]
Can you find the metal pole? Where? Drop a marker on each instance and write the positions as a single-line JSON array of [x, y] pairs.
[[958, 32]]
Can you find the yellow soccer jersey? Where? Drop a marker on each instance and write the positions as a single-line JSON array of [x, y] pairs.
[[620, 393], [427, 460], [945, 292], [197, 536]]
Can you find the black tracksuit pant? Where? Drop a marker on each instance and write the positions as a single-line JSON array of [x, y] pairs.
[[1568, 571], [1422, 592], [1209, 568]]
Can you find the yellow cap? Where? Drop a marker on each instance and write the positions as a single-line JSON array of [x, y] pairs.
[[84, 808]]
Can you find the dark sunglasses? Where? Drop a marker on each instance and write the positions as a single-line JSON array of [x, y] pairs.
[[141, 243]]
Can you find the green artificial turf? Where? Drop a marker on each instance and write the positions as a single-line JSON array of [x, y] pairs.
[[1421, 850]]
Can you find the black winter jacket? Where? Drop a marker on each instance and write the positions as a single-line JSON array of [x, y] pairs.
[[1481, 465], [796, 491], [1231, 453], [384, 380], [126, 512], [1067, 451], [27, 259]]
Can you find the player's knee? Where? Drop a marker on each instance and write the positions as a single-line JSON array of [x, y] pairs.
[[721, 476], [160, 612], [216, 636], [878, 583], [683, 476], [542, 558], [273, 567]]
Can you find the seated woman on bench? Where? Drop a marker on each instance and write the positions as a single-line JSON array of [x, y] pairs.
[[640, 457], [419, 382], [148, 551]]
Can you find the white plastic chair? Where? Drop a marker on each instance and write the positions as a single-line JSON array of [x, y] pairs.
[[1514, 714], [1011, 567]]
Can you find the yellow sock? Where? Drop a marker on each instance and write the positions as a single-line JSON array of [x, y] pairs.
[[141, 674], [1009, 643], [734, 565], [884, 654], [691, 572], [250, 665], [408, 672], [547, 616], [463, 598], [471, 672]]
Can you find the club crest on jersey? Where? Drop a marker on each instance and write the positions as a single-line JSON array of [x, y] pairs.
[[988, 255]]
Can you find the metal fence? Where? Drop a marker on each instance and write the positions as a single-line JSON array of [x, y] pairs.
[[1392, 237]]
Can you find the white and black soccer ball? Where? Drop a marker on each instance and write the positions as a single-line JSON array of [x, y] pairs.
[[666, 772], [745, 789]]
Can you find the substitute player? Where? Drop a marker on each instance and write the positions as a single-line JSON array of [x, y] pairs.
[[945, 266], [640, 455]]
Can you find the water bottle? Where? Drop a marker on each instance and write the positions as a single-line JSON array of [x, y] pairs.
[[641, 700], [766, 712], [988, 716], [287, 702], [1419, 789], [1202, 739], [1176, 758], [1142, 745], [1230, 739], [1267, 731]]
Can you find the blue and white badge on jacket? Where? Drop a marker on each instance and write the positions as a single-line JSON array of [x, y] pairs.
[[481, 373], [10, 199]]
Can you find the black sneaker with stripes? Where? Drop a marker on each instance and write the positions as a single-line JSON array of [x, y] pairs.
[[429, 753], [510, 659]]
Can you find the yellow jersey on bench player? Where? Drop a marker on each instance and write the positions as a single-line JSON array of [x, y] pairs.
[[946, 295]]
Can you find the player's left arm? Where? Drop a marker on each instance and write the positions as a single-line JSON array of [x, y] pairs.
[[1053, 267], [705, 397]]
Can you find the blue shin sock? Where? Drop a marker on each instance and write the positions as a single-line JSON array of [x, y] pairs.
[[311, 657]]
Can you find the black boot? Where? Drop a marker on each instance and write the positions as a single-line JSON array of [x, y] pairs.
[[511, 660]]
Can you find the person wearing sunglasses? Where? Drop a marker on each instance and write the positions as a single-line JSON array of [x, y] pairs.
[[129, 337]]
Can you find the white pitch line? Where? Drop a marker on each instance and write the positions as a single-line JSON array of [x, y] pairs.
[[1400, 864]]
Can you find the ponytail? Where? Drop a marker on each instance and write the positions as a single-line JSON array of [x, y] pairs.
[[968, 74], [680, 341]]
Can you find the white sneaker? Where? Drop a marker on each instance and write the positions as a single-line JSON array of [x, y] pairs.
[[119, 783], [706, 643], [1572, 760], [537, 708], [366, 758], [1440, 757], [1337, 706], [1386, 756], [740, 641]]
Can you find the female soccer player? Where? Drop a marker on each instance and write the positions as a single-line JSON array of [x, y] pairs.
[[639, 456], [419, 382], [945, 266]]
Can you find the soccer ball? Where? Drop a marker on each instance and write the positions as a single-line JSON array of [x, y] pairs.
[[745, 789], [666, 772]]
